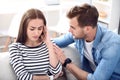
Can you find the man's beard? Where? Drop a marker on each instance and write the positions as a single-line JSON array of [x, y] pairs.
[[74, 37], [83, 37]]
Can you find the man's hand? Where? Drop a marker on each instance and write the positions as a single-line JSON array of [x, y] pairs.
[[59, 53]]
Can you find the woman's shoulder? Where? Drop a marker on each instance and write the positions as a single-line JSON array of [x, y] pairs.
[[15, 45]]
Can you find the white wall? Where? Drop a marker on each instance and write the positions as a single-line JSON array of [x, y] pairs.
[[115, 15], [5, 20]]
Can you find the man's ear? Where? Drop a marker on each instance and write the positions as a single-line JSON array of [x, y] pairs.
[[87, 29]]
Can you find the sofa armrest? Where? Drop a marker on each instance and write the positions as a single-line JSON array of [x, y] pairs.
[[72, 53], [6, 71]]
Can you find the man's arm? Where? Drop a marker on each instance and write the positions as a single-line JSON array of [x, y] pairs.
[[64, 40], [75, 70]]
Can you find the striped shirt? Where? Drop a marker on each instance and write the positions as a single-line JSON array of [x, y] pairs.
[[28, 61]]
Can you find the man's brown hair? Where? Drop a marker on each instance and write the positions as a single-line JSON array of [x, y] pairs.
[[87, 15]]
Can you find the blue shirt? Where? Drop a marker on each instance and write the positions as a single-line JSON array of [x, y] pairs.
[[105, 51]]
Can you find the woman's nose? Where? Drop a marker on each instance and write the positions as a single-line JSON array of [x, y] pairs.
[[37, 32]]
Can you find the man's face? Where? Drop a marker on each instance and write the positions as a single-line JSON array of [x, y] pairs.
[[76, 30]]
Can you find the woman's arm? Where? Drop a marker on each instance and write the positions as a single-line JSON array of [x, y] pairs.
[[55, 65], [16, 62], [52, 56]]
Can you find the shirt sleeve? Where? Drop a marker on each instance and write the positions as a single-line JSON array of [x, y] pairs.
[[64, 40], [55, 71], [17, 65]]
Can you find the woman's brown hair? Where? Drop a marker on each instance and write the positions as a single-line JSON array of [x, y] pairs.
[[29, 15]]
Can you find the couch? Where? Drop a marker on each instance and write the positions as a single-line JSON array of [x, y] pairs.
[[7, 73]]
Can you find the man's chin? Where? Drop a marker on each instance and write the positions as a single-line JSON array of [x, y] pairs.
[[75, 37]]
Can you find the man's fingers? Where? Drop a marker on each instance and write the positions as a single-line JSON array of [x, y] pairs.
[[57, 48]]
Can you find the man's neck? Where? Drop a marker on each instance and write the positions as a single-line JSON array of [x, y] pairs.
[[91, 35]]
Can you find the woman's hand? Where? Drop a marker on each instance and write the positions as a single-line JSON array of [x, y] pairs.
[[47, 37], [41, 77]]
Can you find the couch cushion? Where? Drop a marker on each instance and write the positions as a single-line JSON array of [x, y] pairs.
[[6, 72], [73, 54]]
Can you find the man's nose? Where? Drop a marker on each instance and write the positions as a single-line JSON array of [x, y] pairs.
[[69, 29]]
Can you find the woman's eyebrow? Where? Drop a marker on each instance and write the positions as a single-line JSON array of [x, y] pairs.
[[35, 27]]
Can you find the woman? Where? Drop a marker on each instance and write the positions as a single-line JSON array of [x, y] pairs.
[[32, 56]]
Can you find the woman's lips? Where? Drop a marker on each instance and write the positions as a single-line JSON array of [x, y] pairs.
[[36, 37]]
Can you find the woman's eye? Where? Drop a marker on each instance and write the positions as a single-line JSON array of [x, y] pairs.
[[39, 28], [31, 29]]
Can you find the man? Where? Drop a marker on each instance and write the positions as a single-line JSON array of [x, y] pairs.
[[99, 48]]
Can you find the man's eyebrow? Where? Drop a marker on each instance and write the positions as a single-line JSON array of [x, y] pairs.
[[72, 27]]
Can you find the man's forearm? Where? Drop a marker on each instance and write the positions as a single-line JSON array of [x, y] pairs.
[[77, 72]]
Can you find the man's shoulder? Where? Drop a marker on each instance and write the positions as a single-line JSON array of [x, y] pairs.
[[110, 38], [107, 37]]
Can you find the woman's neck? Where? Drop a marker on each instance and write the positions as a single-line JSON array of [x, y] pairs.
[[32, 44]]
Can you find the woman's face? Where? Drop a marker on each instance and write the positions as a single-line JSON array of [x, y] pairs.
[[34, 30]]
